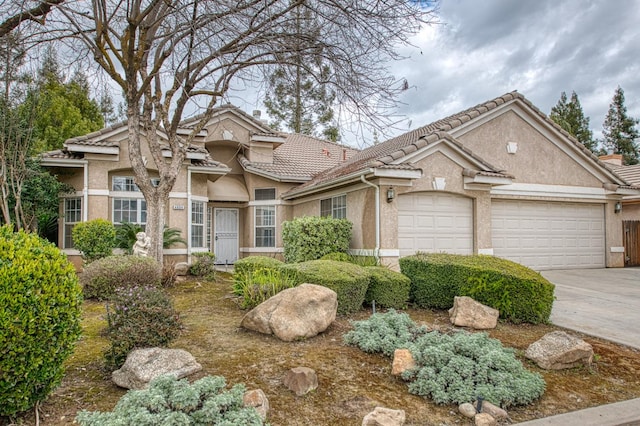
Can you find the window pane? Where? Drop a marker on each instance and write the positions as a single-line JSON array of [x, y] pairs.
[[266, 216], [72, 215], [265, 228], [325, 207], [197, 224], [265, 237]]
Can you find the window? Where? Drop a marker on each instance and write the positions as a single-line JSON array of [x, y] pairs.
[[133, 210], [265, 194], [127, 184], [197, 224], [265, 226], [72, 216], [335, 207]]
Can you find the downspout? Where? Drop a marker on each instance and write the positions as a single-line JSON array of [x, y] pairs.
[[376, 252], [85, 192], [189, 216]]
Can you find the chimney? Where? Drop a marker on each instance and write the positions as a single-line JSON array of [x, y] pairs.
[[615, 159], [257, 113]]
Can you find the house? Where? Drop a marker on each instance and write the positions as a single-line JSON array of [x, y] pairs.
[[499, 178], [630, 206]]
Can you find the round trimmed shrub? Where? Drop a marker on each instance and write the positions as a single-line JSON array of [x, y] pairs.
[[95, 239], [101, 278], [40, 308], [349, 281], [390, 289], [253, 263], [337, 255]]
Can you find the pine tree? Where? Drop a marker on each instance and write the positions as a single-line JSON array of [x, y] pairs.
[[569, 116], [619, 130], [297, 100]]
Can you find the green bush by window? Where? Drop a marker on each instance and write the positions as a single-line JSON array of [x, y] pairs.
[[349, 281], [338, 256], [40, 307], [519, 293], [139, 317], [101, 278], [252, 263], [95, 239], [389, 289], [452, 368], [168, 401], [311, 237]]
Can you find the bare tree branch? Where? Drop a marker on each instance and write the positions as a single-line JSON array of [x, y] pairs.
[[37, 14]]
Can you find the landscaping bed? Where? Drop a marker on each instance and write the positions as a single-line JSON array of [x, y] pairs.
[[351, 382]]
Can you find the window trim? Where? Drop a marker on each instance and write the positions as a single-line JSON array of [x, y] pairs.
[[78, 202], [139, 210], [200, 224]]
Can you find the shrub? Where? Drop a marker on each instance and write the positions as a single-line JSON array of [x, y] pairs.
[[337, 256], [389, 289], [40, 307], [203, 265], [126, 236], [139, 317], [169, 274], [101, 278], [168, 401], [349, 281], [519, 293], [95, 239], [311, 237], [254, 287], [450, 368], [365, 260], [253, 263]]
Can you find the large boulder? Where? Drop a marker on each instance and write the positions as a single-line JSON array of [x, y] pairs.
[[257, 399], [558, 350], [466, 312], [402, 361], [144, 365], [294, 313]]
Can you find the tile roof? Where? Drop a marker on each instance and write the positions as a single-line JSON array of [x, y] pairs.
[[631, 174], [62, 154], [301, 157]]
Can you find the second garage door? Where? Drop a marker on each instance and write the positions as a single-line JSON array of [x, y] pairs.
[[435, 222], [549, 235]]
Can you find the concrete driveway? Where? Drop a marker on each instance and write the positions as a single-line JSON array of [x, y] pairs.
[[599, 302]]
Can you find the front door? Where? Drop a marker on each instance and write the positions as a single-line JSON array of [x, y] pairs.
[[225, 239], [631, 230]]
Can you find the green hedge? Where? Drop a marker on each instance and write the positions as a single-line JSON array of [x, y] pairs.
[[95, 239], [101, 278], [40, 309], [390, 289], [311, 237], [253, 263], [349, 281], [519, 293]]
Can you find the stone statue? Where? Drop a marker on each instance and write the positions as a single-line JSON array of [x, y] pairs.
[[142, 244]]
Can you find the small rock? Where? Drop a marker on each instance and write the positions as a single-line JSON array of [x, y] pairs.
[[558, 350], [493, 410], [484, 419], [466, 312], [257, 399], [182, 269], [381, 416], [402, 361], [144, 365], [301, 380], [468, 410]]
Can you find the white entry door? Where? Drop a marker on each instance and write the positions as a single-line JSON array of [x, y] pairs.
[[225, 237]]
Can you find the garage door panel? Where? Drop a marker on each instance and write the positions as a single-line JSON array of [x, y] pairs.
[[549, 235], [435, 222]]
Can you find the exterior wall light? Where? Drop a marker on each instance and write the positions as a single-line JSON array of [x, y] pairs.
[[391, 194], [617, 208]]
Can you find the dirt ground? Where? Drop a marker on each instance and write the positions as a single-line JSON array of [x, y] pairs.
[[351, 382]]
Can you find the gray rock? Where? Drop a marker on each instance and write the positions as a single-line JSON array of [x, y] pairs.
[[301, 380], [182, 269], [467, 410], [144, 365], [257, 399], [402, 361], [558, 350], [466, 312], [295, 313], [381, 416], [493, 410]]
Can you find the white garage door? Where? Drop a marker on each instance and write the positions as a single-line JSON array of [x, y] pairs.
[[549, 235], [435, 222]]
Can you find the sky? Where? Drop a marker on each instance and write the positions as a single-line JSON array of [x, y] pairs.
[[484, 49]]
